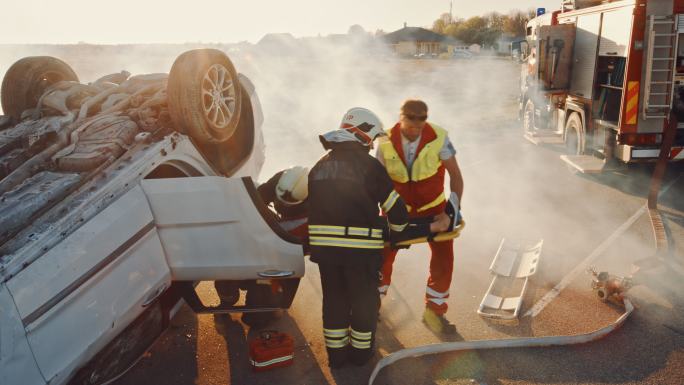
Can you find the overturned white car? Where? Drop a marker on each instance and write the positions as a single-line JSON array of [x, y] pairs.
[[115, 198]]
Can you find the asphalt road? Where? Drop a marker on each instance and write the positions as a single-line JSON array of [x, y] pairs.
[[514, 190]]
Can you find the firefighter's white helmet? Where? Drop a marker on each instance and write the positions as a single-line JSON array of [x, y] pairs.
[[293, 185], [363, 124]]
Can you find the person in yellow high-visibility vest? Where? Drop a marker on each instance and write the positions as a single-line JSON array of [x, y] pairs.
[[416, 155]]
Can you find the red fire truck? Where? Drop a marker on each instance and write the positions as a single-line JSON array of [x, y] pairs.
[[605, 78]]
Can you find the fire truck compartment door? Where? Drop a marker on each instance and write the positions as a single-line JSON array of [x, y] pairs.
[[216, 228], [555, 55], [586, 41], [615, 30]]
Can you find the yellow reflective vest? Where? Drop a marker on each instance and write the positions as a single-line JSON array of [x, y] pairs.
[[422, 188]]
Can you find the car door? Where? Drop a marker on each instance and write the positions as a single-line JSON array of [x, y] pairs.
[[216, 228]]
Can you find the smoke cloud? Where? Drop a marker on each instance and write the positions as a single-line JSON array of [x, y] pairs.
[[513, 190]]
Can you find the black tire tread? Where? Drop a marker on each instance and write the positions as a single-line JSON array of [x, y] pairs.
[[21, 86]]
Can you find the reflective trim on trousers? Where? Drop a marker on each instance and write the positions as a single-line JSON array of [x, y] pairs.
[[335, 333], [334, 343], [436, 294], [361, 340], [437, 301], [336, 338]]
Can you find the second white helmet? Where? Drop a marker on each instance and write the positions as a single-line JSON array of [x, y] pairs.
[[293, 185], [363, 124]]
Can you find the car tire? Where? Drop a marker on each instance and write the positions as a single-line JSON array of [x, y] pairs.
[[574, 137], [204, 95], [27, 79]]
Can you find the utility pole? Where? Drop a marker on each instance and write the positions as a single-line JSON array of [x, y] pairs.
[[451, 7]]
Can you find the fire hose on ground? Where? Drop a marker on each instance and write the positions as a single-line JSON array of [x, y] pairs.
[[528, 342], [661, 241]]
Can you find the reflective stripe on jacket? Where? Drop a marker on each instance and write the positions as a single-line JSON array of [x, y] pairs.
[[422, 188], [345, 236], [346, 188]]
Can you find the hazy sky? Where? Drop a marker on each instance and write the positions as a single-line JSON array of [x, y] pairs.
[[173, 21]]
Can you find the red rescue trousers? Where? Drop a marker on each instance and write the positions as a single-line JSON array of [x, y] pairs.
[[439, 281]]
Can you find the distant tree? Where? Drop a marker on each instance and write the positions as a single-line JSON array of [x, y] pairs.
[[379, 33], [472, 30], [452, 29], [438, 26], [517, 21], [356, 30], [483, 30], [495, 21]]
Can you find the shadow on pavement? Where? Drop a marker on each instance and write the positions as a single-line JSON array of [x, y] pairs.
[[179, 363], [636, 180]]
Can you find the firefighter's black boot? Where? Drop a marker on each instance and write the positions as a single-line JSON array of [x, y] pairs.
[[337, 358]]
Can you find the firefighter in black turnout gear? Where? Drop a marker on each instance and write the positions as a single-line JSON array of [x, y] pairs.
[[346, 234], [346, 188]]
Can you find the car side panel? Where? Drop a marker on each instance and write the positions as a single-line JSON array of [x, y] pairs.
[[17, 365], [84, 291]]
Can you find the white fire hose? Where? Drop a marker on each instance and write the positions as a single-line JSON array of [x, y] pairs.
[[530, 342]]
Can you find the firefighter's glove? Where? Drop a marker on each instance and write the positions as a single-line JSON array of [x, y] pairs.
[[453, 210]]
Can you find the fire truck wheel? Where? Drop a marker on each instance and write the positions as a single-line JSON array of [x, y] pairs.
[[574, 138], [528, 118], [27, 79], [204, 95]]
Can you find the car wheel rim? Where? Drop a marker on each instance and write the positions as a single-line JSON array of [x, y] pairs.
[[218, 96]]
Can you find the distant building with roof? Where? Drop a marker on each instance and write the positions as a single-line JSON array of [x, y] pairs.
[[416, 40]]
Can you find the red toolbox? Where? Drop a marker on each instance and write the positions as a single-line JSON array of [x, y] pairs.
[[270, 350]]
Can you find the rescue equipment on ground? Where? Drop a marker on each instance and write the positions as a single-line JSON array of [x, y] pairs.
[[270, 350], [610, 287], [512, 267]]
